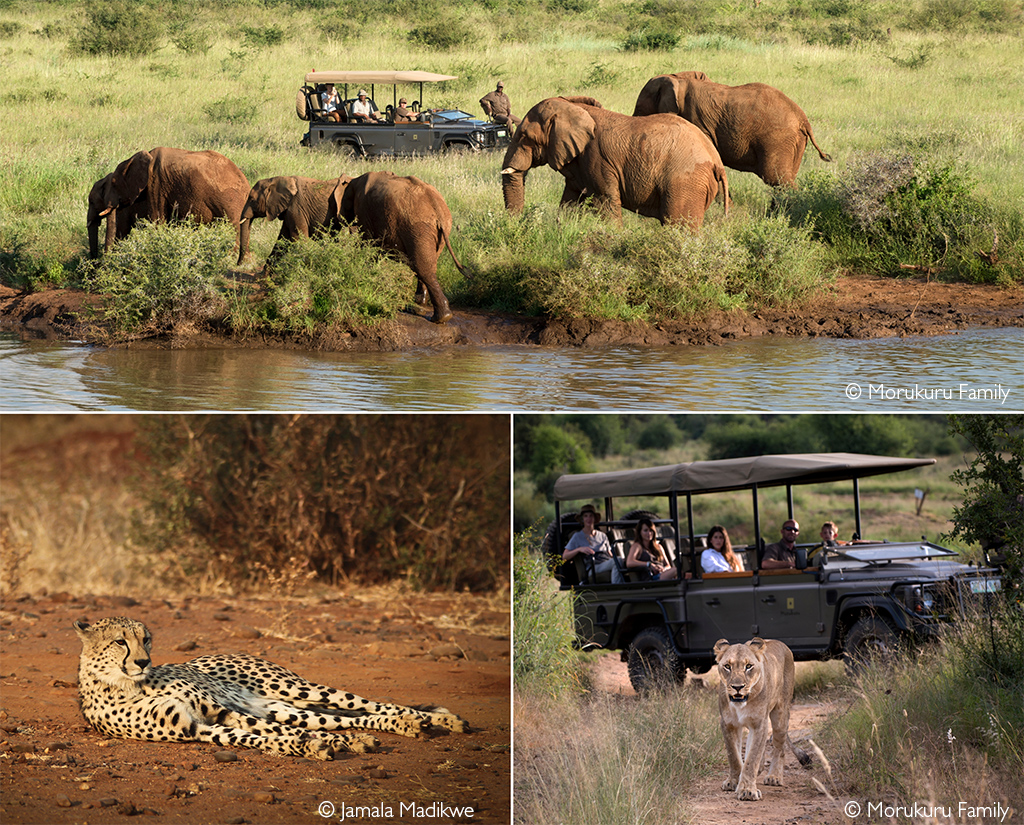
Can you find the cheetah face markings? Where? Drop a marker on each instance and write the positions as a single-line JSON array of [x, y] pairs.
[[236, 699]]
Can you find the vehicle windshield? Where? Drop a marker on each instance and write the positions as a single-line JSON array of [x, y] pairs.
[[453, 114]]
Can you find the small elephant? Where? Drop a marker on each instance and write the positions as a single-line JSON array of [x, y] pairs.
[[409, 217], [660, 167], [120, 222], [304, 206], [755, 127], [176, 183]]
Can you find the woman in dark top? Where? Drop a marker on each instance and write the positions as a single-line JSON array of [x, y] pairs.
[[646, 557]]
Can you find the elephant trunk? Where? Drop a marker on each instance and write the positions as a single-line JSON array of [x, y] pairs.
[[94, 238], [244, 227], [513, 189]]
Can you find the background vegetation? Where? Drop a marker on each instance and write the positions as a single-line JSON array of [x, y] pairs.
[[205, 503], [915, 101]]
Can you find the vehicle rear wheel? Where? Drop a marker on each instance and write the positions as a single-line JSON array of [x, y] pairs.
[[871, 640], [653, 663]]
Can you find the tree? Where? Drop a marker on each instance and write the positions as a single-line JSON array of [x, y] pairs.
[[992, 513]]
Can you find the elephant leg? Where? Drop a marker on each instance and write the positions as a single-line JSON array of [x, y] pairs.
[[442, 312], [420, 305]]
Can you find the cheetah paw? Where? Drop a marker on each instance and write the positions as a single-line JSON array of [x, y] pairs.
[[451, 722], [318, 749], [362, 743]]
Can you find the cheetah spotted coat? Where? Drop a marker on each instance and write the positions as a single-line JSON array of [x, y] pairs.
[[234, 699]]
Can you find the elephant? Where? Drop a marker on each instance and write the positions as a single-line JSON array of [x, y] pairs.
[[755, 127], [660, 167], [119, 222], [177, 184], [304, 206], [409, 217]]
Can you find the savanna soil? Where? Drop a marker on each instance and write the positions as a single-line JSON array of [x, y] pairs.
[[798, 802], [858, 306], [379, 642]]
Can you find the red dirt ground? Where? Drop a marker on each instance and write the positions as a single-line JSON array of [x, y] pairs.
[[858, 307], [380, 643]]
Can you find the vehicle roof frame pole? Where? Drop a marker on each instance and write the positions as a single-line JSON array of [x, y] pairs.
[[673, 513], [789, 500], [856, 508], [757, 528]]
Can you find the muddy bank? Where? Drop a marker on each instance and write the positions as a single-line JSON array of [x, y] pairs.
[[858, 307]]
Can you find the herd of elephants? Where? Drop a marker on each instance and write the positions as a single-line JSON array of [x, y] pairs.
[[668, 161]]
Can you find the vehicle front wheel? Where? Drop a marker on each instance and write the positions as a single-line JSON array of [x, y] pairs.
[[653, 662], [871, 639]]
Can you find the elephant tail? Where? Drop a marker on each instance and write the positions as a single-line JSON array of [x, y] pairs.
[[444, 237], [814, 143], [724, 179]]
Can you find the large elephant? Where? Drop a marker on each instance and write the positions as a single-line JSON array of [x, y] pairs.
[[661, 167], [304, 206], [755, 127], [177, 184], [119, 221], [409, 217]]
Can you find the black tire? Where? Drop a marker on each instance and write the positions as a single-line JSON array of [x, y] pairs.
[[653, 663], [636, 515], [871, 640]]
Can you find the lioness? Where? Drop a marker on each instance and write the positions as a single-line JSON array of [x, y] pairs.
[[756, 686]]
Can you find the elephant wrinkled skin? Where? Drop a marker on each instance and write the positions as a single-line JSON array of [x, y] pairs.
[[305, 206], [660, 167], [755, 127], [408, 217], [176, 184]]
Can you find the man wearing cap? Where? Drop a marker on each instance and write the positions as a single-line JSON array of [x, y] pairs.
[[362, 109], [782, 554], [498, 107], [403, 114], [593, 543]]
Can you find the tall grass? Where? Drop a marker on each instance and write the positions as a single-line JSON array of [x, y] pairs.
[[227, 82], [943, 727]]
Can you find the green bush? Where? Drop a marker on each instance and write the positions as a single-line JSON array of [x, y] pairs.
[[118, 28], [442, 34], [262, 37], [164, 274], [650, 41], [329, 281]]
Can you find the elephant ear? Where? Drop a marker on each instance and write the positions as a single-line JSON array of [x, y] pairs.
[[131, 177], [280, 196], [569, 130], [338, 195]]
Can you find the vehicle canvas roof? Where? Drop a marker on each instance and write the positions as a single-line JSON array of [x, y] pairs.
[[377, 77], [731, 474]]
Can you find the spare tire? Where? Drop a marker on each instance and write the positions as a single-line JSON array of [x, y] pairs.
[[301, 104]]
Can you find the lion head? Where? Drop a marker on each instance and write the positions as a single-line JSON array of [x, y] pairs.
[[741, 668]]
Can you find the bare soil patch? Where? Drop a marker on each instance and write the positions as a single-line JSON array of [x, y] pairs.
[[381, 643], [796, 803], [858, 306]]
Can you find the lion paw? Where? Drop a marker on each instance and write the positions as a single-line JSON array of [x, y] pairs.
[[729, 785], [748, 794], [772, 780]]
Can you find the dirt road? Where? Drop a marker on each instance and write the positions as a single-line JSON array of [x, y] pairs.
[[380, 643]]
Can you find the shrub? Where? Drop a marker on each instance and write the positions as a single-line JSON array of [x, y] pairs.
[[190, 40], [261, 37], [120, 28], [232, 109], [369, 498], [330, 281], [164, 274], [443, 34], [650, 41]]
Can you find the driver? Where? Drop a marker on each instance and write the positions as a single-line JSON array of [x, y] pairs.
[[403, 114]]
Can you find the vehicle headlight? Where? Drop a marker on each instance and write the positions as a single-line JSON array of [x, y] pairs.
[[918, 599], [478, 137]]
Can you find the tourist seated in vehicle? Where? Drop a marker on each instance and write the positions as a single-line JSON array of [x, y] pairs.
[[403, 114], [330, 103], [363, 110], [591, 542], [782, 554], [647, 559], [830, 536], [719, 556]]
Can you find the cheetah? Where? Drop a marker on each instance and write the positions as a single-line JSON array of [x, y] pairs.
[[232, 699]]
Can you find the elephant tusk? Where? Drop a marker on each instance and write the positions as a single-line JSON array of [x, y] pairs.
[[510, 171], [106, 211]]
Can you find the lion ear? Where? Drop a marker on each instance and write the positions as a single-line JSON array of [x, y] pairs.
[[720, 647], [757, 644]]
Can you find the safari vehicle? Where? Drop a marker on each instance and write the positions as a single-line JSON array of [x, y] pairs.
[[438, 130], [851, 600]]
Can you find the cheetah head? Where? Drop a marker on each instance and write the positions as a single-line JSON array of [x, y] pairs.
[[115, 650]]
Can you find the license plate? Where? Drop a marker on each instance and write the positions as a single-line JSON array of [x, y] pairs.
[[985, 585]]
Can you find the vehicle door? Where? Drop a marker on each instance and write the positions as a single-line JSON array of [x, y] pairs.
[[787, 607], [720, 606], [413, 138]]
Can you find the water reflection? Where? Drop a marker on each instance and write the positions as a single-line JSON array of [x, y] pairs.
[[784, 374]]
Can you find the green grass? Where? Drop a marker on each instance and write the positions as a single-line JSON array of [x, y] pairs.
[[922, 79]]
